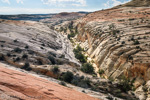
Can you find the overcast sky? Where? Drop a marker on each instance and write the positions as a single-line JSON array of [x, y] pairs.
[[54, 6]]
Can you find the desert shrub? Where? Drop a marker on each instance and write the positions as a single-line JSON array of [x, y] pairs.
[[15, 40], [17, 59], [81, 57], [43, 44], [78, 49], [130, 57], [26, 66], [71, 35], [2, 58], [78, 54], [136, 42], [26, 47], [39, 61], [132, 38], [24, 56], [101, 72], [138, 47], [85, 83], [31, 52], [123, 42], [41, 47], [126, 84], [52, 59], [2, 41], [18, 50], [8, 54], [81, 82], [87, 68], [68, 76], [52, 53], [55, 69], [2, 45]]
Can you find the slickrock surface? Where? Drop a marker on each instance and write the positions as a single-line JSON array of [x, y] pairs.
[[33, 42], [15, 85]]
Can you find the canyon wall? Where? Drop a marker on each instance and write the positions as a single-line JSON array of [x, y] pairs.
[[117, 40]]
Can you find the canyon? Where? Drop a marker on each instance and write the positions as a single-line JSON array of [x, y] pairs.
[[115, 41]]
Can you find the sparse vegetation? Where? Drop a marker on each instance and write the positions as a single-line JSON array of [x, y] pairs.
[[17, 59], [67, 76], [126, 84], [26, 47], [2, 45], [15, 40], [101, 71], [55, 69], [113, 30], [136, 42], [8, 54], [52, 59], [2, 57], [123, 42], [24, 56], [18, 50], [87, 68], [78, 54], [71, 35]]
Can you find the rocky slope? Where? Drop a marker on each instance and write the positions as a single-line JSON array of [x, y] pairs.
[[117, 40], [63, 17], [33, 46], [33, 42], [15, 85], [136, 3]]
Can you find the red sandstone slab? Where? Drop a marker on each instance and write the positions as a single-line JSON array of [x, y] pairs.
[[19, 85]]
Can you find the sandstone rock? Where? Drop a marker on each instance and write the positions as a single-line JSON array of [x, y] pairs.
[[140, 93], [15, 85]]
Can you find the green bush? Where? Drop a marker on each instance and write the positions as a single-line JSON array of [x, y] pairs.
[[81, 81], [87, 68], [78, 54], [17, 59], [52, 59], [71, 35], [18, 50], [136, 42], [26, 47], [55, 69], [2, 57], [8, 54], [68, 76], [101, 72], [126, 84], [81, 57], [24, 56]]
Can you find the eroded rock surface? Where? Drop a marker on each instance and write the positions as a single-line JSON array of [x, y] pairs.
[[33, 42], [117, 40], [15, 85]]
